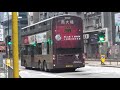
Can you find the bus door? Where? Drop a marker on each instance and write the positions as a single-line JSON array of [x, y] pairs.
[[32, 55]]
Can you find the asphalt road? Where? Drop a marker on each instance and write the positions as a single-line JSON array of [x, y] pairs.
[[86, 72], [93, 72]]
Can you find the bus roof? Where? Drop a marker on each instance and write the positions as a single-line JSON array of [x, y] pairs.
[[48, 19]]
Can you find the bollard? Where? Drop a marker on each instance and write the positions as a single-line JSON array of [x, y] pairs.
[[15, 45]]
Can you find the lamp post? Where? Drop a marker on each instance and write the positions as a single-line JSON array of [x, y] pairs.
[[8, 49], [15, 45]]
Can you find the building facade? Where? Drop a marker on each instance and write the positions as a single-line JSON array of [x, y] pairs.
[[93, 23], [22, 22], [7, 25], [34, 17], [1, 16]]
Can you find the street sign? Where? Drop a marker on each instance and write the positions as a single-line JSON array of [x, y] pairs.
[[86, 36], [9, 43], [103, 58]]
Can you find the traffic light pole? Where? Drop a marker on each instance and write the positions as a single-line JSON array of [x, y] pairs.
[[100, 51], [8, 35], [15, 45]]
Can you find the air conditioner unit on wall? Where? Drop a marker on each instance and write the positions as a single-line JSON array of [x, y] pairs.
[[100, 24], [96, 25]]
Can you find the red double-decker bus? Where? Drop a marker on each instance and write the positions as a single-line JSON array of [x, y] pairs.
[[54, 43]]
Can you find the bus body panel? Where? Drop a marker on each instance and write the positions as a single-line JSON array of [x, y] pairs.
[[27, 59], [33, 62], [68, 44], [41, 58]]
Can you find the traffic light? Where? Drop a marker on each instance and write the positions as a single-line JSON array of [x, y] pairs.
[[49, 41], [34, 44], [101, 37], [9, 40]]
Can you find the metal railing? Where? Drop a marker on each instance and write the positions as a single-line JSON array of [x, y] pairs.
[[109, 60], [8, 71]]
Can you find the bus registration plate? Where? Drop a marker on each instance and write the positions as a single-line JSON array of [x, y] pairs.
[[69, 65]]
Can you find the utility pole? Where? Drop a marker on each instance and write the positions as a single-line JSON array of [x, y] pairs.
[[8, 35], [15, 45], [8, 61]]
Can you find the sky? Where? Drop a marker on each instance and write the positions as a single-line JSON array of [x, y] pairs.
[[3, 15]]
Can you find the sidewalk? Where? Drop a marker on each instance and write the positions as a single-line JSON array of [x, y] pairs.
[[107, 63], [94, 59], [2, 73]]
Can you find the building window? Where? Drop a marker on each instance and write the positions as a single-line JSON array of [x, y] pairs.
[[98, 20], [32, 27], [66, 12], [41, 16], [60, 13], [44, 23], [31, 18], [24, 22], [25, 30], [78, 13], [45, 15], [98, 13], [39, 25]]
